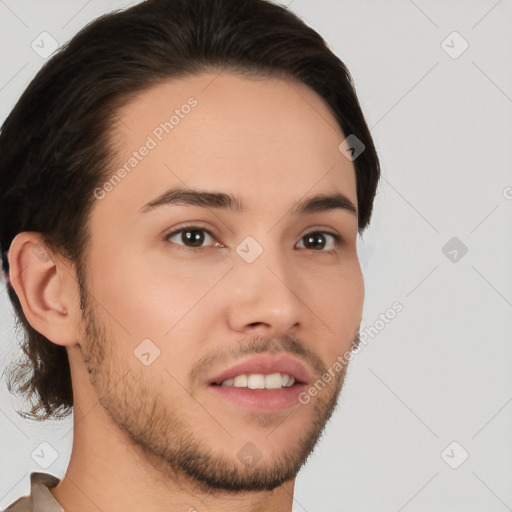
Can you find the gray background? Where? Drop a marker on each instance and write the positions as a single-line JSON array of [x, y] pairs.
[[440, 371]]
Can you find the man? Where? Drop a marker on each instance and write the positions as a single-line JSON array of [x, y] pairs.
[[184, 186]]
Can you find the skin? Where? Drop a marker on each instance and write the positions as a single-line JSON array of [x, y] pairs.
[[271, 143]]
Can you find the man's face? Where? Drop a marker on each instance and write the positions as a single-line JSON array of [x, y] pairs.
[[179, 293]]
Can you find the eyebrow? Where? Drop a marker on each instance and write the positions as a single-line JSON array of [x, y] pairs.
[[220, 200]]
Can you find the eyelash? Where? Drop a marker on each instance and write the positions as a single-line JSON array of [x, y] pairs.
[[198, 228]]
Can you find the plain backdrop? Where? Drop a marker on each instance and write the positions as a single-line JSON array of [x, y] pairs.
[[425, 418]]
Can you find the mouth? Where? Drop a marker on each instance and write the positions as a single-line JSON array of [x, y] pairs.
[[263, 371], [259, 381], [263, 383]]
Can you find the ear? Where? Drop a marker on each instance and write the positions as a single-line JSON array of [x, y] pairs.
[[47, 287]]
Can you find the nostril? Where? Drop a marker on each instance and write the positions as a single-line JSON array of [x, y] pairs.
[[256, 324]]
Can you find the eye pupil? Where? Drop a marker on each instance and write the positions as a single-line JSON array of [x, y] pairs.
[[194, 237], [315, 240]]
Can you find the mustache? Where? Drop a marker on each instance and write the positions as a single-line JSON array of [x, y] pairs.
[[258, 345]]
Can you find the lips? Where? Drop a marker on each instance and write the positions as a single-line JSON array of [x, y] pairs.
[[266, 364]]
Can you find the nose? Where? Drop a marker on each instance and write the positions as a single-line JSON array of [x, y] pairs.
[[266, 297]]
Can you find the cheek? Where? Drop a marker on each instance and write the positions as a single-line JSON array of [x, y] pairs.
[[337, 297], [160, 298], [137, 299]]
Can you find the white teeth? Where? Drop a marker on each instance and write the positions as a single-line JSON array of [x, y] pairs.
[[256, 381], [260, 381], [273, 381], [240, 381]]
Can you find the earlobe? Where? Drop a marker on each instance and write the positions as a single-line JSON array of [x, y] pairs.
[[46, 287]]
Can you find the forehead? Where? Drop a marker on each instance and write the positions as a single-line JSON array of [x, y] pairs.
[[243, 135]]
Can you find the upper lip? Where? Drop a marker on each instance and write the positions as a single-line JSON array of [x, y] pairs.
[[266, 364]]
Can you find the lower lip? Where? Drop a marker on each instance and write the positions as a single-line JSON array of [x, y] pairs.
[[261, 400]]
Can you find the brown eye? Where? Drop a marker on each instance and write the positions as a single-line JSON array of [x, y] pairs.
[[319, 240], [192, 237]]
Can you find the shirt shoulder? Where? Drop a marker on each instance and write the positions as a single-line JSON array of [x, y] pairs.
[[40, 498]]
